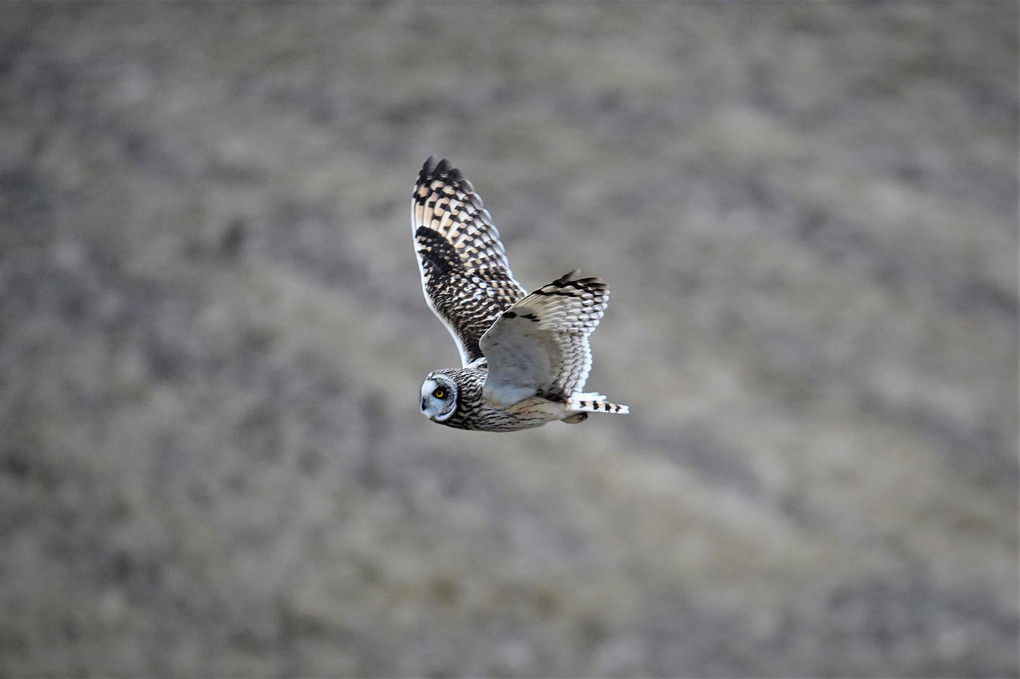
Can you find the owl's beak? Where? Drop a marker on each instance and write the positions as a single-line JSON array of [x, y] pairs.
[[423, 405]]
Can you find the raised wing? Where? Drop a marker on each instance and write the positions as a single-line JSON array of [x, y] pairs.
[[539, 346], [464, 270]]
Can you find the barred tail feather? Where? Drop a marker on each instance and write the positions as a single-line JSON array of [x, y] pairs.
[[594, 403]]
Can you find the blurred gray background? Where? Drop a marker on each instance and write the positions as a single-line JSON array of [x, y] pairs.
[[212, 337]]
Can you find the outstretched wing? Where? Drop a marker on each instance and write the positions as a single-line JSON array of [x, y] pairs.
[[539, 346], [464, 270]]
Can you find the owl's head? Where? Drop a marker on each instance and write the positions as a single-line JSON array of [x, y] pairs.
[[438, 397]]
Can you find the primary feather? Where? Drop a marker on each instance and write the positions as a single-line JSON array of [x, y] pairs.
[[465, 273]]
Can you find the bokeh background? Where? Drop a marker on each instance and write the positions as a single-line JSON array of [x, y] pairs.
[[212, 337]]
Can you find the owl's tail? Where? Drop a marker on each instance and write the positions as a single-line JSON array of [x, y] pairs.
[[592, 402]]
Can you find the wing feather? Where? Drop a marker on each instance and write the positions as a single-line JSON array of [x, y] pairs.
[[465, 273], [539, 346]]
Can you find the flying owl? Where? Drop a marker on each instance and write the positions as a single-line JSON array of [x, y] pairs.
[[525, 357]]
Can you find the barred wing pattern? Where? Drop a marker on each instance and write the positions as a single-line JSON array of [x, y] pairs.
[[464, 269], [539, 346], [525, 357]]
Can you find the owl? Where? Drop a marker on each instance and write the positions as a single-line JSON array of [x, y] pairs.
[[525, 358]]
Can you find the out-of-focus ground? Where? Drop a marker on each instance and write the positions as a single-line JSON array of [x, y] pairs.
[[212, 337]]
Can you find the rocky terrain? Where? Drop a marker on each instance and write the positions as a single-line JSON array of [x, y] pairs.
[[212, 338]]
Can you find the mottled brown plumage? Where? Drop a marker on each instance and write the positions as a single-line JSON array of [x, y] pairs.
[[465, 273], [525, 358]]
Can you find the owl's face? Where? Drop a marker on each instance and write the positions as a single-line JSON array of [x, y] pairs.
[[438, 397]]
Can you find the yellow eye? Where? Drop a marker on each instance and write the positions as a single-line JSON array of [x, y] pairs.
[[439, 393]]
